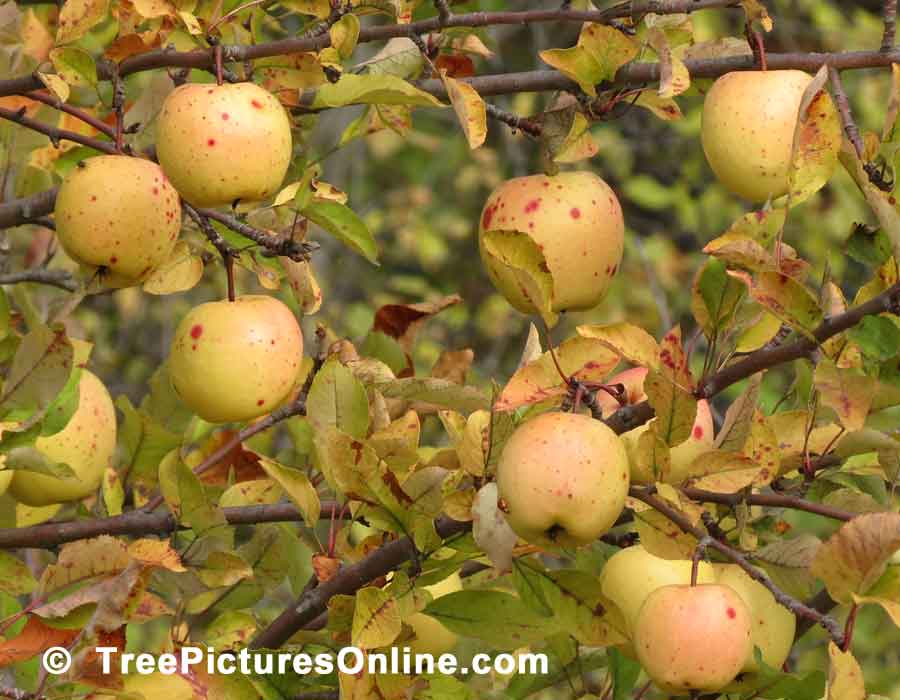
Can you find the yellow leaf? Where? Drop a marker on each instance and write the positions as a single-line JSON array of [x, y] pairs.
[[756, 11], [663, 107], [845, 677], [856, 556], [344, 34], [584, 358], [78, 17], [304, 285], [631, 342], [847, 392], [469, 108], [154, 8], [180, 272], [579, 143], [156, 553], [376, 619], [297, 486], [56, 85], [784, 297], [36, 40], [191, 23]]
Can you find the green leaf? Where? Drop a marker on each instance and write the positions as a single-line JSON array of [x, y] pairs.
[[497, 618], [600, 52], [75, 66], [30, 459], [521, 254], [715, 298], [343, 223], [624, 673], [298, 487], [60, 412], [877, 337], [869, 246], [437, 392], [15, 576], [40, 370], [381, 89], [337, 398]]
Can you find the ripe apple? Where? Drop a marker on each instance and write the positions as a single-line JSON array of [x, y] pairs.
[[576, 221], [431, 636], [236, 360], [773, 626], [563, 478], [693, 637], [120, 214], [749, 118], [222, 143], [633, 573], [86, 445]]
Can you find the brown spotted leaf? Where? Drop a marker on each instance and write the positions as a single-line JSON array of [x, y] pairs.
[[846, 391], [376, 618]]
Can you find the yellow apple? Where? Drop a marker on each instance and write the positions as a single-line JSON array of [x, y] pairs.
[[431, 636], [222, 143], [773, 626], [86, 445], [576, 221], [119, 214], [563, 479], [749, 118], [633, 573], [693, 637], [236, 360]]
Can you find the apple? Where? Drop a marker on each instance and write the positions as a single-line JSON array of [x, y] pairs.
[[747, 131], [119, 214], [576, 221], [633, 573], [693, 637], [86, 445], [223, 143], [563, 479], [236, 360], [772, 625], [431, 636]]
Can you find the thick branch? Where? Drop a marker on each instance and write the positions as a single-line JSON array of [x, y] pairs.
[[141, 522], [800, 609], [346, 582], [275, 244], [27, 209], [88, 119], [769, 500]]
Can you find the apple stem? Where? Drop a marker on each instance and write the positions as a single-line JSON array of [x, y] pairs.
[[226, 250], [699, 554], [848, 628], [754, 38]]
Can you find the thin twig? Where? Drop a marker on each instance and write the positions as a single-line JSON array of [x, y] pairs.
[[843, 105], [226, 250], [524, 124], [53, 133], [80, 114], [889, 14], [38, 275]]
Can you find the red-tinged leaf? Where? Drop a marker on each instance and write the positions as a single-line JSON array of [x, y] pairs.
[[239, 463], [156, 554], [785, 297], [847, 392], [403, 321], [585, 359], [35, 638]]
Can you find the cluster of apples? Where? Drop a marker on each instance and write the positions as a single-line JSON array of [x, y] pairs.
[[120, 216], [694, 637]]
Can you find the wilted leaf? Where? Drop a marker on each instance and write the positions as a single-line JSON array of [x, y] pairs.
[[521, 255], [77, 17], [785, 297], [585, 359], [469, 108], [304, 285], [34, 638], [178, 273], [15, 576], [845, 677], [846, 391], [491, 531], [855, 557], [344, 34]]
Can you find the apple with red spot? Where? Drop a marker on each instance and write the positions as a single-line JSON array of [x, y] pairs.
[[236, 360], [575, 219], [119, 215], [223, 143], [748, 124], [562, 479], [693, 638]]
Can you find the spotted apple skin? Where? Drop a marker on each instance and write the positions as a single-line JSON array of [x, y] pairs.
[[576, 221], [86, 445], [236, 360], [223, 143], [693, 637], [562, 479], [119, 214], [748, 124]]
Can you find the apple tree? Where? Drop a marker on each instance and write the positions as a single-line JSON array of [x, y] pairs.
[[483, 328]]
